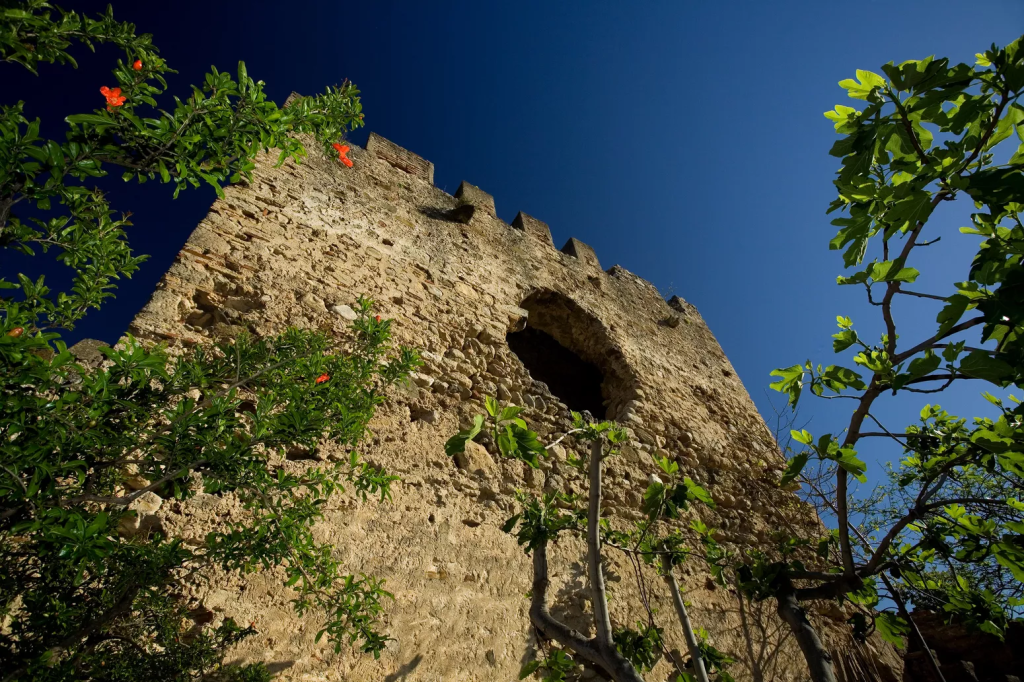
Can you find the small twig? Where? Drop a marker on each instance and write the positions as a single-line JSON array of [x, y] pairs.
[[918, 294], [569, 433]]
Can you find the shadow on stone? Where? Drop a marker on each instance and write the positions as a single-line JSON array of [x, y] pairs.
[[406, 668], [460, 214]]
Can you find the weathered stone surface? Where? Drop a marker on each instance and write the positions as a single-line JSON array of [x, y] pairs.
[[382, 230], [475, 459], [141, 509], [344, 311], [87, 352]]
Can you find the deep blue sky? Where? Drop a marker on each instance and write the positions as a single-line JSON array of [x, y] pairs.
[[682, 140]]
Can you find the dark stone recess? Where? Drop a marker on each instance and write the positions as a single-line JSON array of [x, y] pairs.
[[964, 656], [575, 382]]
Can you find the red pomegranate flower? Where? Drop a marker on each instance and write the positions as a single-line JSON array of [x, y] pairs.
[[342, 151], [377, 318], [322, 378], [137, 65], [114, 97]]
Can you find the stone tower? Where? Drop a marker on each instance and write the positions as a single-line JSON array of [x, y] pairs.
[[496, 309]]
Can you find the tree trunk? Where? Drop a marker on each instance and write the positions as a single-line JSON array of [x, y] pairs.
[[617, 666], [684, 620], [819, 660], [902, 606], [599, 651]]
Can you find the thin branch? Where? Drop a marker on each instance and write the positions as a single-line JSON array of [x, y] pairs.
[[128, 499], [547, 624], [882, 426], [919, 294], [569, 433], [988, 133], [684, 622], [971, 349], [908, 127], [925, 345], [986, 501], [602, 619]]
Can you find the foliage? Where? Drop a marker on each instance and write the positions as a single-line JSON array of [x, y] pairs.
[[212, 136], [929, 133], [557, 666], [543, 518], [507, 429], [84, 581], [717, 662], [641, 647], [91, 585]]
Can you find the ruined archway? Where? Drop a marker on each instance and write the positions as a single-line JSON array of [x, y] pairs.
[[570, 350]]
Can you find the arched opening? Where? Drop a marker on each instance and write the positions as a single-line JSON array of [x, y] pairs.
[[570, 350], [575, 382]]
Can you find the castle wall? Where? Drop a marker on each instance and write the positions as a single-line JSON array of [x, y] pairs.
[[302, 242]]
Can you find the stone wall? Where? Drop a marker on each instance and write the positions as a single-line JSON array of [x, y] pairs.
[[300, 243]]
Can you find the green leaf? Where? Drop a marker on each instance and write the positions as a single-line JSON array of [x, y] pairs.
[[528, 669], [997, 186], [243, 76], [844, 340], [868, 83], [793, 468], [457, 443], [696, 492], [791, 382], [510, 412], [802, 436], [846, 458], [654, 496], [838, 378], [892, 628], [981, 365], [923, 366], [510, 523], [956, 306], [667, 465], [98, 120], [952, 351], [492, 406], [892, 271]]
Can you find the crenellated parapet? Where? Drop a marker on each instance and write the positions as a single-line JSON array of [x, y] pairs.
[[473, 203]]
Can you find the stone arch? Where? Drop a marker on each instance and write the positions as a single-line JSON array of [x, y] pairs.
[[571, 350]]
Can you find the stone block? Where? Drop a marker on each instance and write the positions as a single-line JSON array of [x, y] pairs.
[[475, 459], [87, 352], [533, 227], [582, 252], [400, 158], [476, 197]]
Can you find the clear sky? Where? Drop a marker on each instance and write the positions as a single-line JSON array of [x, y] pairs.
[[682, 140]]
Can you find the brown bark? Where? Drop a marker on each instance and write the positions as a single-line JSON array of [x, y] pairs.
[[600, 650], [818, 658], [684, 621]]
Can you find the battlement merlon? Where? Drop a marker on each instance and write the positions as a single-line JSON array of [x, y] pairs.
[[533, 227], [401, 158], [471, 195], [583, 253]]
